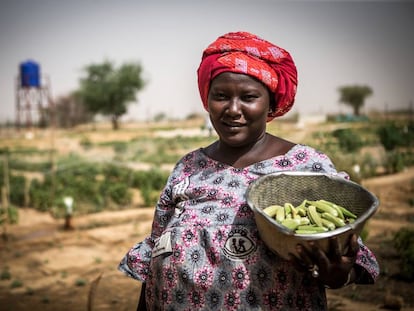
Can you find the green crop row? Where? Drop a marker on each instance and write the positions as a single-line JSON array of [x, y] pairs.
[[94, 187]]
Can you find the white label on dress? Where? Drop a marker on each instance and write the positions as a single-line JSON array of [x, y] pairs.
[[162, 244]]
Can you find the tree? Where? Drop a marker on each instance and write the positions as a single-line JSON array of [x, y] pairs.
[[108, 90], [70, 111], [354, 96]]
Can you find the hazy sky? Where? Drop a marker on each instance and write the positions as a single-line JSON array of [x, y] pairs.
[[333, 43]]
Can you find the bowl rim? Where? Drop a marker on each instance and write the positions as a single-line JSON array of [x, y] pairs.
[[315, 236]]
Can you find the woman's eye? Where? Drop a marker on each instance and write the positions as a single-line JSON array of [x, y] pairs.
[[219, 96], [249, 97]]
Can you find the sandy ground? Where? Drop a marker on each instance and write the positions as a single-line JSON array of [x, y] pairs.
[[43, 267]]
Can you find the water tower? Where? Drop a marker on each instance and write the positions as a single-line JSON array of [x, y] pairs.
[[33, 102]]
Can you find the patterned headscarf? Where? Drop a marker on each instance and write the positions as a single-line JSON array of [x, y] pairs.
[[243, 52]]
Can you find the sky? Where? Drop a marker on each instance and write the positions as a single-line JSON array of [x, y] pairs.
[[333, 43]]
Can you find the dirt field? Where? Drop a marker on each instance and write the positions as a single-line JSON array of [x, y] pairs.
[[46, 268]]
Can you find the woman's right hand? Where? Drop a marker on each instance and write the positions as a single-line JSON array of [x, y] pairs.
[[334, 268]]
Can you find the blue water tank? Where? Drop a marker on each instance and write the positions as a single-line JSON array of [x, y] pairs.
[[30, 74]]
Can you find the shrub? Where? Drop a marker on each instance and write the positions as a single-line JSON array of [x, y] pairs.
[[80, 282], [17, 189], [94, 188], [12, 214], [16, 283], [17, 185], [39, 193], [150, 183], [349, 140], [117, 192], [154, 179], [368, 166], [149, 196], [120, 147], [5, 274], [394, 162], [393, 135], [404, 244], [116, 173]]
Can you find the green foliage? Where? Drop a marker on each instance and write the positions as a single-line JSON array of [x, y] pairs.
[[404, 244], [164, 150], [78, 181], [349, 140], [16, 283], [149, 196], [394, 162], [160, 156], [354, 96], [411, 202], [120, 147], [4, 151], [28, 151], [86, 143], [116, 173], [94, 187], [17, 185], [345, 163], [39, 193], [30, 165], [117, 192], [107, 90], [150, 183], [154, 179], [26, 159], [5, 274], [17, 188], [12, 214], [80, 282], [368, 166], [393, 135]]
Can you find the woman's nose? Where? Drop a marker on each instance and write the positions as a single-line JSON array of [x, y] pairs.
[[234, 107]]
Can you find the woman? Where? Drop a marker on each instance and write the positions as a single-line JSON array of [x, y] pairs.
[[204, 252]]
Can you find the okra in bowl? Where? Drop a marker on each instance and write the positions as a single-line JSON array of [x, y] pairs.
[[305, 198]]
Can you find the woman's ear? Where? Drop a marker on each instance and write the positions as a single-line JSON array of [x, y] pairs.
[[271, 108]]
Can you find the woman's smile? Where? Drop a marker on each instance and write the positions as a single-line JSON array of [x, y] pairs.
[[233, 125], [238, 107]]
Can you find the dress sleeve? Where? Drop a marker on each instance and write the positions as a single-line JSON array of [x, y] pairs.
[[366, 265], [137, 260]]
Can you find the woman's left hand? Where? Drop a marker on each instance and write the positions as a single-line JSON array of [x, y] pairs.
[[334, 268]]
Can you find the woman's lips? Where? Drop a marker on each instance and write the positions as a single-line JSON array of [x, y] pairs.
[[233, 124], [232, 127]]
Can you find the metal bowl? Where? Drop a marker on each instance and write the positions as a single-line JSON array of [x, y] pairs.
[[294, 187]]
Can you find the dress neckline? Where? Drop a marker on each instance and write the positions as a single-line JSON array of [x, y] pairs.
[[202, 151]]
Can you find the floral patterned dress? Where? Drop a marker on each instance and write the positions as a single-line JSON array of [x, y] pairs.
[[204, 252]]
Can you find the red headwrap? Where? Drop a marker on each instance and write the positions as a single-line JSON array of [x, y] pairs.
[[242, 52]]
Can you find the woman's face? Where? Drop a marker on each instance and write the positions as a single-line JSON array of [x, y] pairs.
[[238, 105]]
